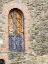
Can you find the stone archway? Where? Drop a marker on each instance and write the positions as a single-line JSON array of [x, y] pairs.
[[7, 7]]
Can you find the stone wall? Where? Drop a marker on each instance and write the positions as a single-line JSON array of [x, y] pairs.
[[38, 38], [39, 26]]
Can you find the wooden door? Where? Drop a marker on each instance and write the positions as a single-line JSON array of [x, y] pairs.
[[16, 31]]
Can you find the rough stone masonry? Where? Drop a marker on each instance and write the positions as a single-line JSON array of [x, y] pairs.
[[38, 34]]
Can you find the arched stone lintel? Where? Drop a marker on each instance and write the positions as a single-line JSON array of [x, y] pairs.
[[10, 5]]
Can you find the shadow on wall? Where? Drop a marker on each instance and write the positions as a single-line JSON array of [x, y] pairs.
[[2, 61]]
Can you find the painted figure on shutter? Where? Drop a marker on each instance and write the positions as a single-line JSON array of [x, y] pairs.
[[16, 31]]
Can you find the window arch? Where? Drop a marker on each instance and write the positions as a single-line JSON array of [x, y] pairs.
[[26, 15], [16, 30]]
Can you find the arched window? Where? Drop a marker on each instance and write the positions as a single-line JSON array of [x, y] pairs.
[[16, 30]]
